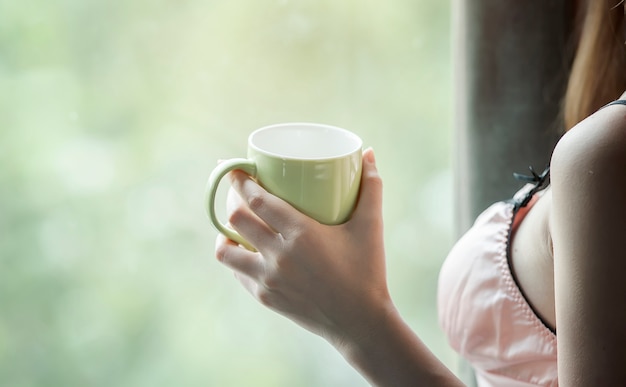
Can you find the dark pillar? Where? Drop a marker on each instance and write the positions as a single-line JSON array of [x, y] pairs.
[[510, 64]]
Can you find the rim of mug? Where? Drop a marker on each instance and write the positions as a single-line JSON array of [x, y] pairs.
[[358, 145]]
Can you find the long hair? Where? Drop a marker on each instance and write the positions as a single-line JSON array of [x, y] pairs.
[[598, 73]]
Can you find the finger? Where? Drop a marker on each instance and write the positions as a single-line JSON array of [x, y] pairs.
[[238, 212], [266, 297], [370, 200], [248, 283], [233, 201], [253, 229], [275, 212], [237, 258]]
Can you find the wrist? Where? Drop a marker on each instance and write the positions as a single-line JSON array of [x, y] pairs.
[[388, 353], [369, 334]]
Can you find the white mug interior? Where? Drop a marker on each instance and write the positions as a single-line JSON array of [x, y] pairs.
[[305, 141]]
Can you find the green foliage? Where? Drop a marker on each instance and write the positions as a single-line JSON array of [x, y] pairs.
[[113, 113]]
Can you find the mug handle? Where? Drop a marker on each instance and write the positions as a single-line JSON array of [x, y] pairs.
[[249, 167]]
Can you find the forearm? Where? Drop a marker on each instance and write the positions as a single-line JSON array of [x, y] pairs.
[[392, 355]]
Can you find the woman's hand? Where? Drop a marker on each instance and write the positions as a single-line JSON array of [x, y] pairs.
[[329, 279]]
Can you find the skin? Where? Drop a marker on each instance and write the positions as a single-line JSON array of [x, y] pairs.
[[330, 280], [568, 255], [588, 225], [570, 270]]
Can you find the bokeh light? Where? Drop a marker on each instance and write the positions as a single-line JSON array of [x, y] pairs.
[[113, 113]]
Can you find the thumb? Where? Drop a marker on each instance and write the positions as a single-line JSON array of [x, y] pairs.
[[371, 193]]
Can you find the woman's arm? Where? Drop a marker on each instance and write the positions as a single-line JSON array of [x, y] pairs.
[[394, 356], [588, 224], [331, 280]]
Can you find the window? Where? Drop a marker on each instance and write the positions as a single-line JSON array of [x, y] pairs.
[[111, 117]]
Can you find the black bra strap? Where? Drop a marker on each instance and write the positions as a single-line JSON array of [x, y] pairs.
[[534, 183]]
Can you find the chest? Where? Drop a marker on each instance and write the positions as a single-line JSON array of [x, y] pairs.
[[531, 257]]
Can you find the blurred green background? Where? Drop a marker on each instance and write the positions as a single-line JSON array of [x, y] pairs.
[[113, 113]]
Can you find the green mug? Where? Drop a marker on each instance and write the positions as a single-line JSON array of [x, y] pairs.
[[314, 167]]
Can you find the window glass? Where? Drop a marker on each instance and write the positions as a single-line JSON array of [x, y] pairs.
[[113, 113]]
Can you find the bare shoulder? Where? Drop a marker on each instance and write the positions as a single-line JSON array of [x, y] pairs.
[[588, 181], [595, 148]]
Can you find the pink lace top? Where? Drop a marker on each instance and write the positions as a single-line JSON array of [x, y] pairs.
[[483, 312]]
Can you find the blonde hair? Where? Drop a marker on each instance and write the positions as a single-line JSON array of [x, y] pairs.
[[598, 73]]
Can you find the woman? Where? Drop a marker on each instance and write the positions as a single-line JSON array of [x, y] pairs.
[[552, 259]]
